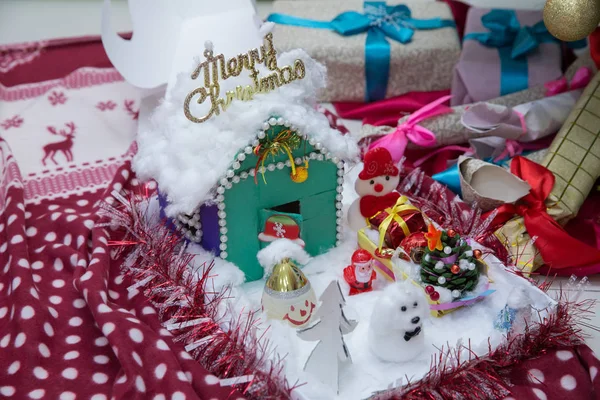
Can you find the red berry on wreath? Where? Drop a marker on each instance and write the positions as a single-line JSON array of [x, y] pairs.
[[435, 296], [451, 232], [429, 289], [477, 253], [455, 269]]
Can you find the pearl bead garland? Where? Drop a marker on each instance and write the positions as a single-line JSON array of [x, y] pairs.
[[189, 226]]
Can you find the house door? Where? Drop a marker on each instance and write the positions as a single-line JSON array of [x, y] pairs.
[[280, 222]]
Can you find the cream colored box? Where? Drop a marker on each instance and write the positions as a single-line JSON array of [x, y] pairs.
[[424, 64]]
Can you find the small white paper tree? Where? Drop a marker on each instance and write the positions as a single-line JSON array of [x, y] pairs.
[[331, 352]]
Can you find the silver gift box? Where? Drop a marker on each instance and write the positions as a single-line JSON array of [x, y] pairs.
[[424, 64]]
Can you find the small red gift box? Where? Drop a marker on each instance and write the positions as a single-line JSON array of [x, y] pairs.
[[397, 222]]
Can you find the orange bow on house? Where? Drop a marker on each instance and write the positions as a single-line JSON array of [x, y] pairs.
[[557, 248]]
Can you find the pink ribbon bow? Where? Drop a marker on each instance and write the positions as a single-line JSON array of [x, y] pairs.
[[582, 77], [397, 141], [511, 149]]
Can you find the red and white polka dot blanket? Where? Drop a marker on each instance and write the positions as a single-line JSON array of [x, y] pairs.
[[69, 327]]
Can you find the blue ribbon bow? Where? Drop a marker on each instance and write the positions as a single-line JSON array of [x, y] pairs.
[[379, 22], [514, 42], [505, 30]]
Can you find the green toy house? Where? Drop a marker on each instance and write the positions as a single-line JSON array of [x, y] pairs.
[[261, 198]]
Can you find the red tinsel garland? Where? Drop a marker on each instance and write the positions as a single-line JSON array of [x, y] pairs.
[[229, 347], [486, 377], [187, 306]]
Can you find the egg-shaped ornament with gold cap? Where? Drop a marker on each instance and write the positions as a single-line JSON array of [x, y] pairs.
[[288, 294]]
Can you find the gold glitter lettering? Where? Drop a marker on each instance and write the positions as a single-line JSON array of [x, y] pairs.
[[215, 67], [290, 75], [299, 69], [233, 67], [269, 82]]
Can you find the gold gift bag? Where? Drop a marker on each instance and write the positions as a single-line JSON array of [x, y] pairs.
[[574, 156]]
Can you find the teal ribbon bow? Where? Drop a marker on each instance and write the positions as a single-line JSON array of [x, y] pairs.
[[514, 42], [379, 22]]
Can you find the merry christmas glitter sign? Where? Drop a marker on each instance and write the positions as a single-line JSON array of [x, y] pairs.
[[216, 67]]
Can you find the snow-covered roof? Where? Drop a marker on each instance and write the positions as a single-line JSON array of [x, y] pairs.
[[187, 159]]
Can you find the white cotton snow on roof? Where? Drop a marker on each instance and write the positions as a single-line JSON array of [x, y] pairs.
[[187, 159]]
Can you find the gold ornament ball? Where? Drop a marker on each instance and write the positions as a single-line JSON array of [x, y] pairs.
[[571, 20], [301, 175]]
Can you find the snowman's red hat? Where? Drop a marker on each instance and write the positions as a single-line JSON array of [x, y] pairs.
[[378, 162]]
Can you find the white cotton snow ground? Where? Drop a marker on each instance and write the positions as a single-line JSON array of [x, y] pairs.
[[474, 325], [367, 373]]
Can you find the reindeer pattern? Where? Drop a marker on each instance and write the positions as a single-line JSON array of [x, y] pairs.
[[64, 146]]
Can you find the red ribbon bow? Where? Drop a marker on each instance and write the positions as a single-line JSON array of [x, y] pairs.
[[557, 248]]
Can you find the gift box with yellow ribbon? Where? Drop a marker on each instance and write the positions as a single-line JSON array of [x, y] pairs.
[[397, 222]]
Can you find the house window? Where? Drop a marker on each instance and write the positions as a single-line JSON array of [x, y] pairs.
[[289, 208]]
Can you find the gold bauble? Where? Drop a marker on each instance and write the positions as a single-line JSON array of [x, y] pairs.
[[286, 277], [301, 175], [571, 20]]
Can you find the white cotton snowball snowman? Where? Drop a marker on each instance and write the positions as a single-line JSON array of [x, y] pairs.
[[396, 328], [376, 185]]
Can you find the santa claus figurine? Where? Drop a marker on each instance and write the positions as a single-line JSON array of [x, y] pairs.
[[360, 274], [376, 186]]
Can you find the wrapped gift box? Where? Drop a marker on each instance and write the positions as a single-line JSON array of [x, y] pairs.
[[394, 233], [574, 156], [410, 64], [519, 53]]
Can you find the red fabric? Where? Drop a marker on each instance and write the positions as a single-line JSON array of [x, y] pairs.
[[371, 205], [558, 375], [586, 228], [459, 12], [595, 46], [557, 248], [388, 111], [55, 59], [70, 328]]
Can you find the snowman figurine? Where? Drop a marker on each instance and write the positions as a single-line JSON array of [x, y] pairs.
[[376, 186], [396, 327]]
